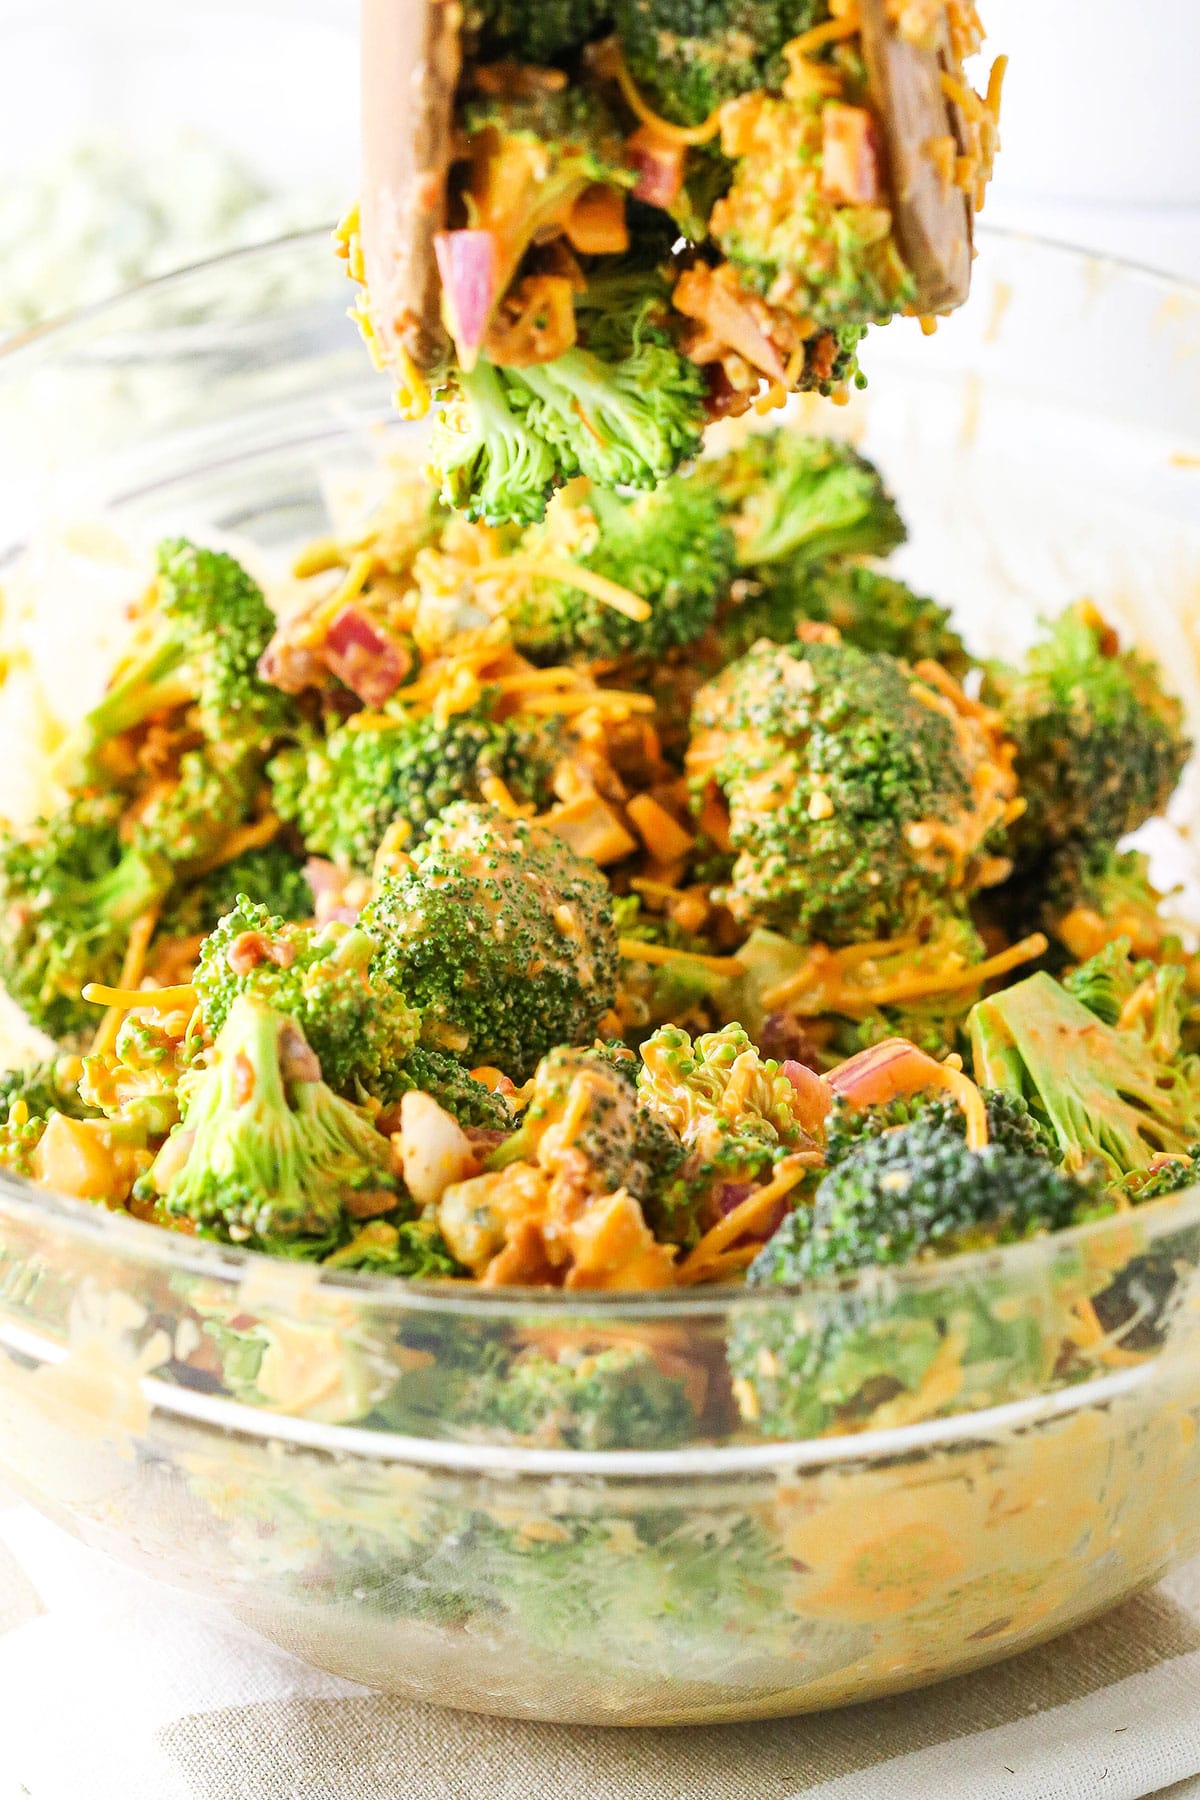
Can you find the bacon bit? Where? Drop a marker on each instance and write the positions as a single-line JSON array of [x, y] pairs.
[[369, 661], [595, 225], [517, 80], [850, 155], [250, 948], [534, 323], [660, 167], [713, 297]]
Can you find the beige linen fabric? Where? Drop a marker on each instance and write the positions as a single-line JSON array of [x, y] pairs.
[[114, 1689]]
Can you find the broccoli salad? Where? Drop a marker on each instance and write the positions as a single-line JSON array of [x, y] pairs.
[[652, 215], [655, 896]]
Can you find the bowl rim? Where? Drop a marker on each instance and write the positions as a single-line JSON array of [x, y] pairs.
[[154, 1245]]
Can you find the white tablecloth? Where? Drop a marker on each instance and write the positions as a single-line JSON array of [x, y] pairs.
[[112, 1688]]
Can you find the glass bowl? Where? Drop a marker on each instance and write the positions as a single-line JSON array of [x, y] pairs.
[[696, 1505]]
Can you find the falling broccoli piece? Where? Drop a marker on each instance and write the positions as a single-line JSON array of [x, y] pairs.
[[484, 458], [272, 875], [627, 423], [359, 1024], [796, 502], [70, 892], [1100, 743], [689, 59], [500, 936], [199, 648], [786, 232], [465, 1099], [671, 548], [345, 791], [869, 609], [853, 799], [1120, 1097], [267, 1155]]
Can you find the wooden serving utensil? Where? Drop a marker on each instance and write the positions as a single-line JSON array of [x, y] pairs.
[[411, 62]]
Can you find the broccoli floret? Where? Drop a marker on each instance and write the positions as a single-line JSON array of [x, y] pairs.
[[579, 1398], [484, 458], [783, 230], [70, 891], [853, 803], [187, 820], [359, 1024], [1011, 1125], [687, 59], [1120, 1097], [869, 609], [536, 34], [272, 875], [500, 936], [627, 423], [622, 1143], [414, 1249], [456, 1092], [136, 1082], [920, 1191], [1100, 743], [202, 641], [1166, 1175], [344, 792], [42, 1088], [796, 502], [671, 547], [267, 1155]]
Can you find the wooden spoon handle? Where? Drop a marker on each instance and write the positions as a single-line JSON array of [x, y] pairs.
[[931, 218], [411, 58]]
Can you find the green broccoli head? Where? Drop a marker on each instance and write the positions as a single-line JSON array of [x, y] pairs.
[[456, 1092], [267, 1155], [622, 423], [788, 234], [359, 1024], [272, 873], [344, 792], [869, 609], [796, 501], [671, 547], [689, 56], [856, 800], [579, 1397], [70, 891], [1113, 1096], [500, 936], [188, 820], [484, 458], [200, 647], [1100, 743], [917, 1190], [535, 34], [1011, 1124]]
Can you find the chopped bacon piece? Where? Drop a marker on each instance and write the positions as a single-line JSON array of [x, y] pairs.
[[659, 165], [368, 660], [850, 157], [713, 297]]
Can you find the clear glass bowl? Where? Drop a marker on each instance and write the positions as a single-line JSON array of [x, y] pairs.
[[743, 1524]]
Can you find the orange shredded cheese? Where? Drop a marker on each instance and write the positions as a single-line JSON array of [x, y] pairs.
[[635, 951], [745, 1217], [550, 568], [140, 934], [245, 837], [820, 35], [122, 999], [614, 64]]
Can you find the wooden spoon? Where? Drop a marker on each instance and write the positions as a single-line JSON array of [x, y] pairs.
[[411, 62]]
